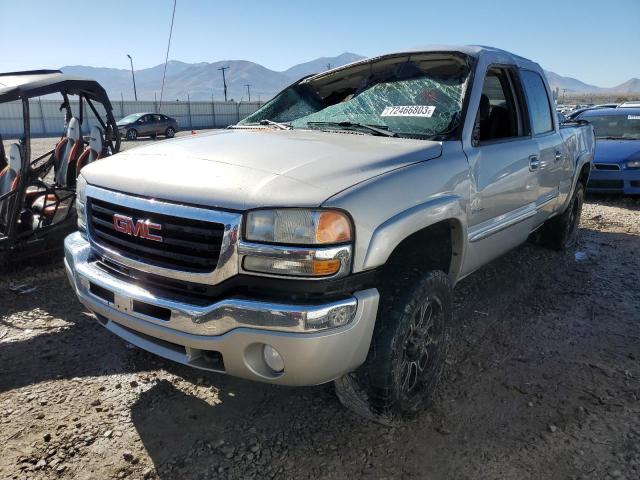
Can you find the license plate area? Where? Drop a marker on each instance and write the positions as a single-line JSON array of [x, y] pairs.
[[128, 305]]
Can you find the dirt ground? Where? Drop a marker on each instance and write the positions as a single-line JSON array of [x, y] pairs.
[[543, 382]]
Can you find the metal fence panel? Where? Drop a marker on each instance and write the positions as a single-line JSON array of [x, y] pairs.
[[47, 119], [10, 119]]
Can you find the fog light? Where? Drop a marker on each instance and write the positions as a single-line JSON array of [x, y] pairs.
[[273, 359]]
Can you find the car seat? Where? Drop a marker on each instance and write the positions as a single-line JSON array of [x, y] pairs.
[[93, 151], [66, 154]]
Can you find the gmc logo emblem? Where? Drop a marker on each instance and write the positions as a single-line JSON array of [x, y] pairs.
[[136, 228]]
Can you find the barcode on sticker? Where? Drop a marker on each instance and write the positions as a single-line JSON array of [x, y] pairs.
[[408, 111], [633, 117]]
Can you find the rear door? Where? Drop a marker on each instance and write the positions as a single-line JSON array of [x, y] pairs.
[[159, 124], [552, 156], [503, 159]]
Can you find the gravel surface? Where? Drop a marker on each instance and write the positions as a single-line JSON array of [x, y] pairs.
[[542, 382]]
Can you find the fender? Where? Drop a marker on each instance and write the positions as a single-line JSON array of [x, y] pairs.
[[389, 234]]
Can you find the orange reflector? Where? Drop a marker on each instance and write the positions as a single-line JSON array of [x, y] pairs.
[[325, 267]]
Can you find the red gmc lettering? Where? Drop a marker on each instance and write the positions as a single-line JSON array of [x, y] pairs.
[[136, 228]]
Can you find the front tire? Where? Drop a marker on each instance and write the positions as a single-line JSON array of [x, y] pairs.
[[132, 134], [407, 354], [170, 132], [561, 232]]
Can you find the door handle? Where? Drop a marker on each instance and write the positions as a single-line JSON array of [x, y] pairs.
[[558, 156], [534, 163]]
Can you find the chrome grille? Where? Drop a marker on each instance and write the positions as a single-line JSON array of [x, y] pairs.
[[187, 244]]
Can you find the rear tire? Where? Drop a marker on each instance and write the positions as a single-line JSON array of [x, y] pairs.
[[132, 134], [561, 232], [407, 353], [170, 132]]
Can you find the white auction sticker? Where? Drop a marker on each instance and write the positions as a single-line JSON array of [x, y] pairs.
[[408, 111], [633, 117]]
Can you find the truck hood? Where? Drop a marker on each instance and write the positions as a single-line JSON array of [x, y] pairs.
[[240, 169]]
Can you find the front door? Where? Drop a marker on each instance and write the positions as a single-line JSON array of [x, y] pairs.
[[503, 159], [146, 125]]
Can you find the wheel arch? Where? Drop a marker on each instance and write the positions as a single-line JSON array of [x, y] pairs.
[[580, 174], [429, 235], [583, 175]]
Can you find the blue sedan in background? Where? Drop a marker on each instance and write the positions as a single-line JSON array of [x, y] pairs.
[[616, 162]]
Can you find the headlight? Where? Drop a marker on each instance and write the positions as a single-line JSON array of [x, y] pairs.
[[293, 226], [297, 242], [633, 164], [81, 202]]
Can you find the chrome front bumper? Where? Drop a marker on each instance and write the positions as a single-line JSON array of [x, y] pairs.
[[232, 332]]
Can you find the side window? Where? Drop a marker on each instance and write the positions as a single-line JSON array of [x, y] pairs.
[[499, 115], [538, 101], [157, 118]]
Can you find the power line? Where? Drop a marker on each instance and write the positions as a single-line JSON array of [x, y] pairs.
[[224, 81], [166, 58]]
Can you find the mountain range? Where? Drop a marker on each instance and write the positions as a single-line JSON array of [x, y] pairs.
[[201, 81]]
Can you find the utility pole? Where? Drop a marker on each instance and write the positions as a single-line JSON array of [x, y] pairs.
[[328, 65], [135, 93], [248, 85], [224, 81]]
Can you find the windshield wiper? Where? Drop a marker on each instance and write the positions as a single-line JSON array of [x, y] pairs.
[[611, 138], [377, 129], [281, 126]]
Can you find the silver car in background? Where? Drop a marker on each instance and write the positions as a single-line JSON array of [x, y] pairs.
[[147, 124]]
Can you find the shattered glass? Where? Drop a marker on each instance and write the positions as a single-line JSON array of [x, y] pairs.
[[432, 101]]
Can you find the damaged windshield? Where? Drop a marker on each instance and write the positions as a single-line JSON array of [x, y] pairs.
[[414, 98]]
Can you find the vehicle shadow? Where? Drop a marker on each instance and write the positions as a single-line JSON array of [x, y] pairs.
[[56, 339], [187, 436]]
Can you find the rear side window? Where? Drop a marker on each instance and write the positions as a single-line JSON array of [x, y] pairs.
[[538, 101]]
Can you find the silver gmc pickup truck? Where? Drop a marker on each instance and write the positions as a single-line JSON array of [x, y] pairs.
[[320, 238]]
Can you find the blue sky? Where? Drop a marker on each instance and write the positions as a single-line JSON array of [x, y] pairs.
[[594, 41]]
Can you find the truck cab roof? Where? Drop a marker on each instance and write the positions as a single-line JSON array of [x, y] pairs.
[[490, 54]]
